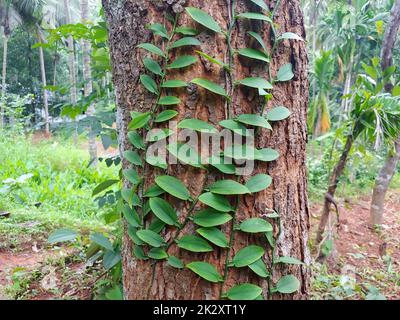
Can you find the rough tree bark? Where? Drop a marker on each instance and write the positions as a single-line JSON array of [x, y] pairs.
[[87, 77], [126, 21], [389, 168]]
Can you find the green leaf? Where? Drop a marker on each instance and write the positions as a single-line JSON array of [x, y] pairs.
[[235, 126], [194, 244], [169, 100], [174, 84], [130, 197], [182, 62], [254, 54], [173, 186], [257, 83], [163, 211], [255, 16], [153, 191], [186, 31], [241, 152], [215, 236], [139, 121], [185, 154], [175, 262], [228, 187], [186, 41], [259, 268], [136, 140], [157, 254], [203, 18], [103, 186], [278, 114], [151, 238], [111, 259], [131, 216], [102, 241], [62, 235], [266, 155], [290, 36], [210, 86], [247, 256], [158, 134], [197, 125], [156, 225], [285, 73], [132, 176], [149, 83], [261, 4], [255, 225], [158, 29], [151, 48], [205, 270], [133, 157], [288, 284], [157, 162], [152, 66], [216, 201], [254, 120], [139, 253], [211, 218], [166, 115], [259, 39], [218, 163], [288, 260], [133, 236], [258, 183], [246, 291], [211, 59]]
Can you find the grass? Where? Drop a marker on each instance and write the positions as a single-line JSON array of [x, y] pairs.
[[52, 176]]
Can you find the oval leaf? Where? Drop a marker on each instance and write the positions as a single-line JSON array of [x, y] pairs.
[[175, 262], [254, 120], [166, 115], [288, 284], [257, 83], [211, 218], [173, 186], [259, 268], [254, 54], [186, 41], [102, 241], [247, 255], [210, 86], [246, 291], [205, 270], [259, 183], [163, 211], [196, 125], [216, 201], [215, 236], [228, 187], [194, 244], [278, 114], [151, 238], [203, 18], [62, 235], [255, 225], [182, 62]]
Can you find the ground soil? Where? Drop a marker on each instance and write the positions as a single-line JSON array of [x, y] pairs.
[[358, 247], [361, 248]]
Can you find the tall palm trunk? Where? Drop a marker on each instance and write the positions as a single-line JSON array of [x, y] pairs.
[[4, 82], [44, 82], [71, 65], [389, 168], [87, 77]]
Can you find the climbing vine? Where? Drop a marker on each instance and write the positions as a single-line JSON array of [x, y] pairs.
[[148, 213]]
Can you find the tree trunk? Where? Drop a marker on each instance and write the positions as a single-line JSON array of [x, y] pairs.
[[126, 21], [333, 184], [389, 168], [87, 77], [44, 82], [71, 66], [4, 81]]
